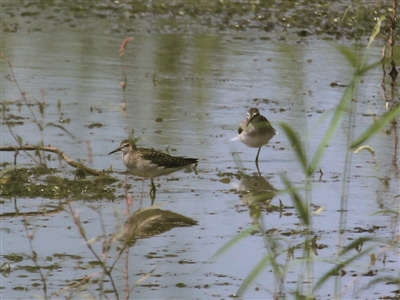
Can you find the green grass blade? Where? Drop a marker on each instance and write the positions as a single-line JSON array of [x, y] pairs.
[[240, 236], [381, 212], [296, 144], [358, 62], [62, 128], [336, 269], [253, 275], [335, 122], [364, 69], [359, 243], [376, 126], [299, 204], [351, 55], [345, 13], [376, 30], [340, 265], [382, 280]]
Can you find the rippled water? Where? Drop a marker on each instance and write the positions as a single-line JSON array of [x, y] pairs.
[[205, 85]]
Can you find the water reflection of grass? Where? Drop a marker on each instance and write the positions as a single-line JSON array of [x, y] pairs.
[[280, 253]]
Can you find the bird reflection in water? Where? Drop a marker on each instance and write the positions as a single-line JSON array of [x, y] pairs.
[[152, 221], [257, 194]]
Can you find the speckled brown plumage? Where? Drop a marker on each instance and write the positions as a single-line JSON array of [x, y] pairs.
[[151, 163]]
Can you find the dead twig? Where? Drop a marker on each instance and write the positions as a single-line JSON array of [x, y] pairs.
[[56, 150]]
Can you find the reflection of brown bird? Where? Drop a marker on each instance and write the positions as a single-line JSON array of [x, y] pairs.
[[152, 221], [149, 163], [257, 194], [256, 189], [255, 131]]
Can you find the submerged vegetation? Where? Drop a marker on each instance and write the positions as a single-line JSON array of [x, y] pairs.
[[16, 180], [50, 184]]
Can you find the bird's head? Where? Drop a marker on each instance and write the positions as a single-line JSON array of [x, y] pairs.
[[125, 147], [251, 114]]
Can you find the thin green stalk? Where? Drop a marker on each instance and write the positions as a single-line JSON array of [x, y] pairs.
[[345, 188]]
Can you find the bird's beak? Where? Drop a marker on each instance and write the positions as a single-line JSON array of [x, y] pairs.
[[116, 150], [250, 119]]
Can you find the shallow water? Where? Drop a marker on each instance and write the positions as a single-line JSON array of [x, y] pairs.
[[205, 85]]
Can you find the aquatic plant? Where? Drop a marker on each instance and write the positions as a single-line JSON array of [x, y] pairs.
[[279, 254]]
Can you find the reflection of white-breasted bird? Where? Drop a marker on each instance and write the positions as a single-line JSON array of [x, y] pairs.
[[255, 131]]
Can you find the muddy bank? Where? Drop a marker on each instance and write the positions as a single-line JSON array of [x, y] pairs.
[[339, 19]]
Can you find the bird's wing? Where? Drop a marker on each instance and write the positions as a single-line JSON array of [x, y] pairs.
[[166, 160]]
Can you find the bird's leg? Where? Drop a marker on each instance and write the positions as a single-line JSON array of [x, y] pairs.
[[258, 170], [258, 153], [141, 193], [152, 191], [194, 168]]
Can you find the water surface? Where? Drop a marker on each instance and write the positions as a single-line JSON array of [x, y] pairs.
[[205, 85]]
